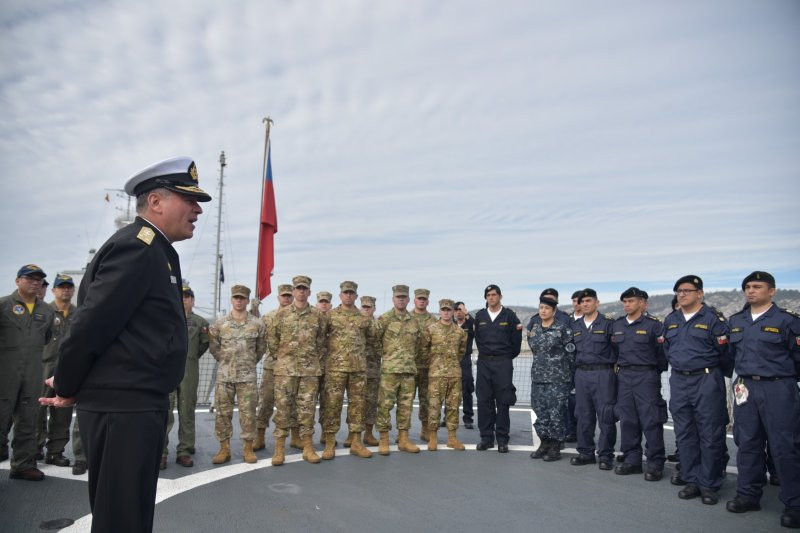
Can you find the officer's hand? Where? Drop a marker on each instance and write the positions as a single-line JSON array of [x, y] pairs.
[[57, 401]]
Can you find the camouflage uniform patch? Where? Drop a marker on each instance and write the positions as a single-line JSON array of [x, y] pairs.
[[295, 404]]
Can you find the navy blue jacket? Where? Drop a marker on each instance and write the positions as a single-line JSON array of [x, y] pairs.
[[503, 336], [640, 342], [594, 344], [768, 347], [702, 342]]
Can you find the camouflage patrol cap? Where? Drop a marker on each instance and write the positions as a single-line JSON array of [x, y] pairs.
[[368, 300], [301, 281], [324, 296], [240, 290], [759, 275], [30, 270], [446, 303], [284, 289], [348, 286], [421, 293], [691, 279], [400, 290], [63, 279]]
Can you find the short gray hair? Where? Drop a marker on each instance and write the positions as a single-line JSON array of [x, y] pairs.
[[141, 200]]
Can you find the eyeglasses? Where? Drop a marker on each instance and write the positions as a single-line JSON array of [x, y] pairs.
[[686, 291], [33, 281]]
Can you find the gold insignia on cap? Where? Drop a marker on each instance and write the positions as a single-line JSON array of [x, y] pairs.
[[146, 235], [193, 171], [696, 280], [758, 275]]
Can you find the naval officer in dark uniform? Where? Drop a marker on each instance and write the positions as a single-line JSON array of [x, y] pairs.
[[126, 348], [765, 344]]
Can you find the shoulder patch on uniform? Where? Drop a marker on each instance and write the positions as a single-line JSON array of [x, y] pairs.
[[793, 313], [18, 310], [146, 235], [770, 329]]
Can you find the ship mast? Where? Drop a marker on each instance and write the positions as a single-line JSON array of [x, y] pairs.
[[218, 256]]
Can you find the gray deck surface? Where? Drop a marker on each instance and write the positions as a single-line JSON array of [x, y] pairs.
[[430, 491]]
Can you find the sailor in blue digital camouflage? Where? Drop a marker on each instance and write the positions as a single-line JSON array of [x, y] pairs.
[[373, 377], [237, 341], [346, 370], [297, 337], [424, 319], [266, 391], [398, 338], [443, 343], [552, 368]]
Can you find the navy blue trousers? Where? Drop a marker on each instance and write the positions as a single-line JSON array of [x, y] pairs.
[[495, 389], [467, 388], [771, 413], [700, 415], [595, 394], [641, 410]]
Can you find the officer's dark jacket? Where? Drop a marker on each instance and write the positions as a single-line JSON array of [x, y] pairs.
[[594, 344], [702, 342], [469, 327], [768, 346], [126, 347], [502, 337], [22, 339], [640, 342]]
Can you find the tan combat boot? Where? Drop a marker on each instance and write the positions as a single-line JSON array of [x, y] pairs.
[[249, 455], [357, 447], [330, 446], [433, 440], [369, 439], [279, 455], [224, 453], [260, 443], [405, 445], [424, 434], [383, 445], [295, 441], [309, 454], [349, 440], [452, 441]]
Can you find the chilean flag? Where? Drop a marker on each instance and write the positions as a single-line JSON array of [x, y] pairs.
[[266, 232]]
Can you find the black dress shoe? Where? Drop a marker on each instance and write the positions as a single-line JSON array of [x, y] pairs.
[[689, 492], [790, 518], [605, 465], [653, 475], [553, 453], [469, 425], [79, 468], [709, 497], [620, 458], [740, 505], [672, 458], [676, 479], [626, 469], [502, 448], [58, 460], [29, 474], [484, 445], [583, 459]]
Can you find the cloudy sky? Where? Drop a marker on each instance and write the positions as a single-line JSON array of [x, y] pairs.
[[444, 144]]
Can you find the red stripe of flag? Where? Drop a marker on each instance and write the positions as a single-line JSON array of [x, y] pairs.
[[266, 232]]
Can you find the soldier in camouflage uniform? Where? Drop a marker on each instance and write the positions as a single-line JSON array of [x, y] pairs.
[[56, 429], [398, 339], [237, 342], [424, 319], [185, 396], [324, 299], [443, 344], [552, 370], [297, 337], [345, 369], [373, 377], [266, 392]]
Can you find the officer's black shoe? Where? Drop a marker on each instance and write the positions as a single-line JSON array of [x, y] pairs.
[[653, 475], [709, 497], [79, 468], [626, 469], [740, 505], [469, 425], [672, 458], [29, 474], [58, 460], [571, 438], [583, 459], [484, 445], [554, 452], [676, 479], [689, 492], [541, 451], [620, 458], [502, 448], [605, 465], [775, 480], [791, 518]]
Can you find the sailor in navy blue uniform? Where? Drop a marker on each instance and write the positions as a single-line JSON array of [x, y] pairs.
[[696, 344], [595, 384], [640, 408], [498, 336], [765, 342]]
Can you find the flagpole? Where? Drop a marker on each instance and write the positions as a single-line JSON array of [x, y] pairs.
[[268, 121]]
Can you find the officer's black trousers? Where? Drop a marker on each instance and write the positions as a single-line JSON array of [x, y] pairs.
[[467, 388], [595, 394], [123, 451], [495, 389], [641, 410]]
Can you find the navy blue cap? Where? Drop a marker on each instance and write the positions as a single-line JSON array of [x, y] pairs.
[[28, 270], [549, 292], [759, 275], [691, 278], [633, 292], [187, 290], [587, 293], [576, 294], [491, 287], [548, 301], [63, 279]]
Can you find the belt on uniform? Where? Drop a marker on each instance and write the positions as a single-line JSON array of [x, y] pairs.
[[603, 366], [706, 370], [768, 378], [638, 368]]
